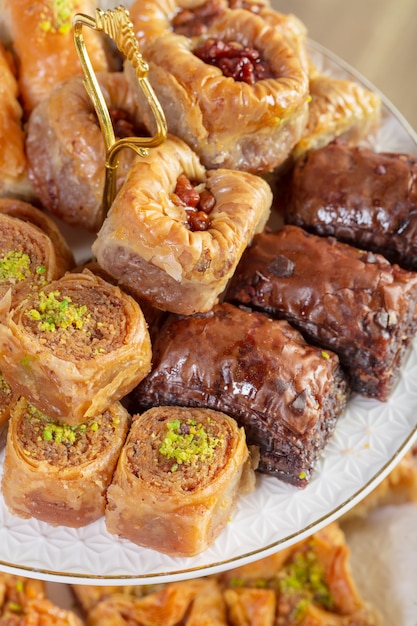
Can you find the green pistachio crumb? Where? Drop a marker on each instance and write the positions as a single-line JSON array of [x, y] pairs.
[[303, 578], [187, 442], [325, 354], [57, 18], [14, 266], [55, 312]]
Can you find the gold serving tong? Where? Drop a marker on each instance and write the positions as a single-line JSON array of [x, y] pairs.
[[117, 25]]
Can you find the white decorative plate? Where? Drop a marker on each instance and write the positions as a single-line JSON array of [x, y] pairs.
[[370, 438]]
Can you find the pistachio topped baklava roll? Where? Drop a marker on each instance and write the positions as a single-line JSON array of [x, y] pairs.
[[178, 479], [176, 231], [59, 473], [75, 346], [32, 250]]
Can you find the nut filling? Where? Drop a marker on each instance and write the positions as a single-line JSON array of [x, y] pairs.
[[197, 200], [62, 445], [186, 453], [61, 321], [236, 61]]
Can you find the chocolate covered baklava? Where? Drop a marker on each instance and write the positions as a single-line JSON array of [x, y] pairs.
[[286, 393], [341, 298]]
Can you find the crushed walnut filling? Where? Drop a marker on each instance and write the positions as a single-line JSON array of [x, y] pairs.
[[236, 61], [197, 200]]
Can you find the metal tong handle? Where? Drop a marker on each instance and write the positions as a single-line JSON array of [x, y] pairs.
[[117, 25]]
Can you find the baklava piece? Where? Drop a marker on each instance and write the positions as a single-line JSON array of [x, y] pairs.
[[57, 473], [286, 394], [176, 231], [23, 602], [178, 479], [362, 197], [74, 347], [194, 602], [308, 583], [338, 108], [14, 179], [236, 94], [43, 42], [66, 150], [33, 251], [341, 298]]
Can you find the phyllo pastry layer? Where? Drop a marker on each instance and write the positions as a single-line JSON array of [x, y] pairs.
[[59, 473], [33, 251], [237, 93], [178, 479], [74, 347], [66, 150], [286, 393], [176, 231], [348, 300]]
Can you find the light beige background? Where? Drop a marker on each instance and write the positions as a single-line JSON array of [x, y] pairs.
[[376, 37]]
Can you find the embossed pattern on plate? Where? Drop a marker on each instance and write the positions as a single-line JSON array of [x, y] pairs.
[[370, 438]]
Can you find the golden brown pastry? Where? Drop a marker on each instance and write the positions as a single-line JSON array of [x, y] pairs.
[[13, 167], [59, 473], [23, 602], [154, 242], [42, 38], [174, 604], [33, 251], [66, 150], [7, 401], [399, 487], [307, 584], [74, 347], [237, 94], [338, 108], [178, 479]]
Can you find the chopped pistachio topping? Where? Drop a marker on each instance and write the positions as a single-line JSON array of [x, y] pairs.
[[303, 577], [187, 442], [14, 266], [54, 312], [57, 18], [55, 432], [4, 386]]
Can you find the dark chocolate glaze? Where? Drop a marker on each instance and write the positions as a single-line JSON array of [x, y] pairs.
[[285, 393], [351, 301], [360, 196]]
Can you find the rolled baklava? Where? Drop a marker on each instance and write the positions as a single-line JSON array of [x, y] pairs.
[[14, 179], [74, 347], [176, 231], [341, 298], [59, 473], [33, 251], [43, 42], [237, 94], [287, 394], [360, 196], [178, 479], [66, 150]]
